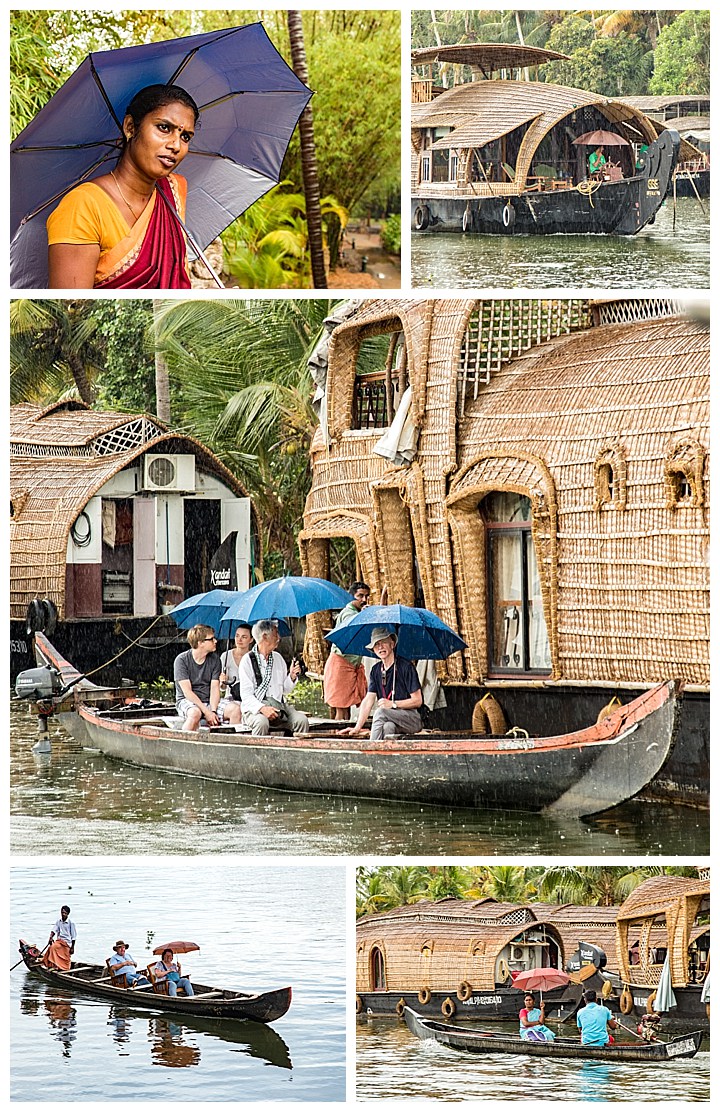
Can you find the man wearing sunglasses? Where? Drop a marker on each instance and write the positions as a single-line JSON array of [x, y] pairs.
[[197, 679]]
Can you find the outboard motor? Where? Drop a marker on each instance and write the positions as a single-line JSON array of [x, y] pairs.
[[41, 685]]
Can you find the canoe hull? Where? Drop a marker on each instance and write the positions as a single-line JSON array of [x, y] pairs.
[[614, 207], [263, 1007], [460, 1038]]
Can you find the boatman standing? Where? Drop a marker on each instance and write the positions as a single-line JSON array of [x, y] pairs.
[[594, 1020], [61, 944]]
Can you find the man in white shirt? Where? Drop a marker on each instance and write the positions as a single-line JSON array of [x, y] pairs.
[[264, 682], [61, 944]]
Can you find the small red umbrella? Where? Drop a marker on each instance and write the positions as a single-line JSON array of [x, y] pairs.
[[601, 139], [541, 980], [176, 947]]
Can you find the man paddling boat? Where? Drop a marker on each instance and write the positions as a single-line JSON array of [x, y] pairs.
[[61, 944]]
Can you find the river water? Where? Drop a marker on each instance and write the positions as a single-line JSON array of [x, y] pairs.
[[659, 256], [393, 1064], [77, 801], [259, 927]]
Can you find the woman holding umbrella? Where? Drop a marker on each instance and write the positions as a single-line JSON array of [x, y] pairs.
[[122, 230], [532, 1021]]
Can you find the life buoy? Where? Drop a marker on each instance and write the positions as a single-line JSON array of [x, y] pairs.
[[448, 1007], [424, 995], [400, 1007], [464, 991], [609, 708], [488, 717], [503, 971], [626, 1001], [508, 216], [422, 217], [651, 1001], [607, 989], [358, 1004]]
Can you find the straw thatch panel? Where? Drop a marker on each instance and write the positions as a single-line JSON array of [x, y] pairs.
[[60, 458], [486, 56], [672, 902]]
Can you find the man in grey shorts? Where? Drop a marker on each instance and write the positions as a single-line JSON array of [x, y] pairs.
[[197, 680]]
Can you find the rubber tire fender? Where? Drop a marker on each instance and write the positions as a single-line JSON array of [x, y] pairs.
[[464, 991], [51, 616], [448, 1007], [358, 1004], [35, 617], [422, 217], [626, 1001], [508, 216], [424, 995], [400, 1007]]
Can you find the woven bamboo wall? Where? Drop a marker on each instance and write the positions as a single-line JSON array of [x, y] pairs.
[[624, 582], [678, 900]]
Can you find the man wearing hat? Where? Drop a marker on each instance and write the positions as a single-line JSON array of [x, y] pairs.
[[122, 962], [394, 691]]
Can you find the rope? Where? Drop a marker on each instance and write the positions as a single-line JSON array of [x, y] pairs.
[[587, 188], [123, 651]]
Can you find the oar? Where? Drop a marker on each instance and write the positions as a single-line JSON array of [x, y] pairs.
[[23, 959]]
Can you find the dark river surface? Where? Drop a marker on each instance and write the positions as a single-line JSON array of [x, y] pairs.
[[259, 927], [657, 257], [393, 1064], [76, 801]]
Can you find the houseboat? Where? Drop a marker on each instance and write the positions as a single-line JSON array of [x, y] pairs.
[[114, 519], [536, 473], [690, 117], [509, 156]]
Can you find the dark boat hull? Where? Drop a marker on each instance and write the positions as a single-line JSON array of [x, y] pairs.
[[689, 1007], [263, 1007], [500, 1004], [460, 1038], [692, 183], [614, 207], [579, 773]]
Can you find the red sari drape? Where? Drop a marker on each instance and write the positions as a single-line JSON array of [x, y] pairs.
[[154, 254]]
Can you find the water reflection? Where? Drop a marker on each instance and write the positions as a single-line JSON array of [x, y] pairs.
[[167, 1045], [671, 253], [62, 1019], [79, 802]]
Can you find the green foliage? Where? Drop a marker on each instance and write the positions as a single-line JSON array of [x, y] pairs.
[[128, 379], [616, 67], [682, 57], [160, 689], [390, 234]]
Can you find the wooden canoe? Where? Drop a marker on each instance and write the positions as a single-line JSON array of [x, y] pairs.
[[579, 773], [218, 1003], [483, 1042]]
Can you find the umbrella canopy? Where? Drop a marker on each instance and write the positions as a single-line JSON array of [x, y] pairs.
[[421, 634], [209, 608], [705, 994], [665, 997], [177, 947], [541, 980], [292, 596], [249, 100], [601, 139]]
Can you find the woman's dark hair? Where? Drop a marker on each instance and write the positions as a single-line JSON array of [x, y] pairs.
[[158, 96], [531, 995]]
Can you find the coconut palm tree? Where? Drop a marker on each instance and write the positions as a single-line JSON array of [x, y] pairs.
[[54, 347], [307, 156]]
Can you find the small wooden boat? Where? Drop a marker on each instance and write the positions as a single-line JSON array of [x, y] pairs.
[[579, 773], [483, 1042], [219, 1003]]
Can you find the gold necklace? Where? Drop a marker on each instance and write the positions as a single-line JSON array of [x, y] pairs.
[[132, 210]]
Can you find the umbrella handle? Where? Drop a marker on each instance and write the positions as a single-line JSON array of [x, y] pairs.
[[193, 242]]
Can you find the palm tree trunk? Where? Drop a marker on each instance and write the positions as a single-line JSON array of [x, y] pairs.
[[162, 378], [82, 381], [307, 156]]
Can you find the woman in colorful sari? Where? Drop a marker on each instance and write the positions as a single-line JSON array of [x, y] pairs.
[[122, 230], [532, 1021]]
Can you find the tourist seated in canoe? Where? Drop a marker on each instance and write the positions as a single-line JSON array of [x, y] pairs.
[[61, 944], [344, 679], [394, 693], [532, 1021], [594, 1019], [229, 705], [167, 969], [197, 682], [122, 229], [122, 961], [265, 680]]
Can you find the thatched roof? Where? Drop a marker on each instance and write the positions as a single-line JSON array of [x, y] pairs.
[[675, 901], [655, 895], [61, 456], [488, 57]]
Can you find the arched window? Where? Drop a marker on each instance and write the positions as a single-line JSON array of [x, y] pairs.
[[517, 633], [611, 478], [377, 969], [684, 468]]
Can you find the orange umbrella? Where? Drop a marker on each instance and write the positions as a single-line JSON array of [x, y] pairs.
[[176, 947], [601, 139]]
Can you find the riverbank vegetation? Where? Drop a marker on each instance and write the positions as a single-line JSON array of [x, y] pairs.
[[387, 886]]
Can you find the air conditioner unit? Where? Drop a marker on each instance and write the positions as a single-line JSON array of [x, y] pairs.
[[168, 472], [518, 953]]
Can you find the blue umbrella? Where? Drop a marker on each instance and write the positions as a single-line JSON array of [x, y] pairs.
[[209, 608], [421, 634], [249, 100], [292, 596]]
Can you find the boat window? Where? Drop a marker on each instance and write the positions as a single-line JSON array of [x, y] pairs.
[[425, 173], [377, 969], [684, 468], [518, 638], [381, 377], [453, 166]]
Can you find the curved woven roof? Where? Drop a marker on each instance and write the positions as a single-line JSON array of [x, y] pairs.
[[659, 892], [488, 56], [60, 457]]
